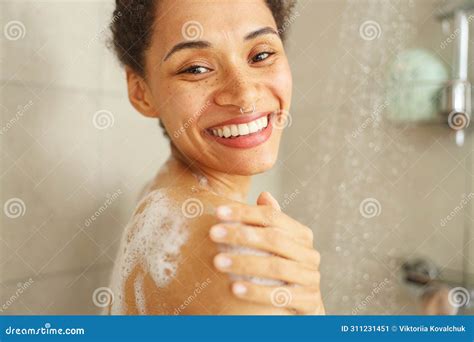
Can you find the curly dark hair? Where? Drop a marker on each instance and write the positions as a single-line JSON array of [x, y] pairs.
[[133, 20]]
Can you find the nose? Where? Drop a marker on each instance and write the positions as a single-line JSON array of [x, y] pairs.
[[238, 90]]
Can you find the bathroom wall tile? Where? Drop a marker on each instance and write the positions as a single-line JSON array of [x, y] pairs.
[[59, 294], [133, 146], [113, 75], [79, 251], [63, 53], [56, 127], [21, 213]]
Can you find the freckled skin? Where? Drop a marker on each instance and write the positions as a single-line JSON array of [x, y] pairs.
[[232, 84]]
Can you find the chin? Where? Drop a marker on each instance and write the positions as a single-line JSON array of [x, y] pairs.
[[251, 163]]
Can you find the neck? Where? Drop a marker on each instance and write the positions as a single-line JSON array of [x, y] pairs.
[[234, 187]]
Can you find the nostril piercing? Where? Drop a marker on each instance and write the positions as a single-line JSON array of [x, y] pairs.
[[242, 110]]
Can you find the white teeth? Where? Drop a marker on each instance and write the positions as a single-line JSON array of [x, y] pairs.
[[227, 131], [253, 127], [234, 130], [241, 129]]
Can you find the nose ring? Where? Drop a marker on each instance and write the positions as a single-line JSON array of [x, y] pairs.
[[242, 110]]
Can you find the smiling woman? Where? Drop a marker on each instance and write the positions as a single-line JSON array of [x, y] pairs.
[[216, 75]]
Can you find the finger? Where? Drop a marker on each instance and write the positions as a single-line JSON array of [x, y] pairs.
[[270, 239], [302, 299], [266, 216], [271, 267], [265, 198]]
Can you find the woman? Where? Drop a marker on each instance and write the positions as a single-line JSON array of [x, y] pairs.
[[216, 75]]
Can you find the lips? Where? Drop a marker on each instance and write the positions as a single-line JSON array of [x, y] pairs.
[[243, 132]]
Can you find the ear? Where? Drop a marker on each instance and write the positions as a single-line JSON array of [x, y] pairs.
[[139, 94]]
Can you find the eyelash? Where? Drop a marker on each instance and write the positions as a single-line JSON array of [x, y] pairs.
[[269, 53], [193, 68]]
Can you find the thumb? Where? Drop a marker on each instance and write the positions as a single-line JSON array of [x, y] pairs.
[[265, 198]]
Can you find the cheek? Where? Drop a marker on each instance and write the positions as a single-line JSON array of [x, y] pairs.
[[281, 84], [184, 105]]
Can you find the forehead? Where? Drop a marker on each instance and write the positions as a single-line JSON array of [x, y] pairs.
[[211, 20]]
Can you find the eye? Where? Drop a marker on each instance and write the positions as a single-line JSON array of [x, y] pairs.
[[261, 56], [195, 69]]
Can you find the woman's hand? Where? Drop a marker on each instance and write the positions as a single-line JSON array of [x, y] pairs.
[[295, 262]]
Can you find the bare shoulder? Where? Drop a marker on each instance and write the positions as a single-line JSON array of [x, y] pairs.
[[175, 274]]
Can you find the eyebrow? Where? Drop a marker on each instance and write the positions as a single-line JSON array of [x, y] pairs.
[[203, 44]]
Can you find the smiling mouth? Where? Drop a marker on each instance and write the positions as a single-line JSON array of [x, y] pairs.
[[233, 131]]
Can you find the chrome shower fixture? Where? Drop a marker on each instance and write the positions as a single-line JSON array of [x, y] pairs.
[[456, 95]]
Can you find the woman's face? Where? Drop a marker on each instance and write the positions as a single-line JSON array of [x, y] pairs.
[[220, 66]]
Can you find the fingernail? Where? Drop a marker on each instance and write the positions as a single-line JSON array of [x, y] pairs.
[[224, 212], [222, 261], [239, 289], [218, 232]]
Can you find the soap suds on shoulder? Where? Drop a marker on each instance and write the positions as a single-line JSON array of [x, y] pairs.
[[153, 240]]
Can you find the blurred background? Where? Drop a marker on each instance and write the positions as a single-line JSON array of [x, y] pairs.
[[370, 159]]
